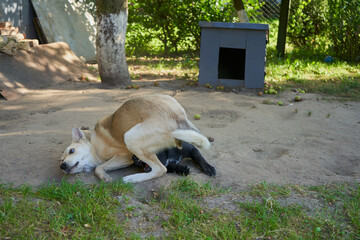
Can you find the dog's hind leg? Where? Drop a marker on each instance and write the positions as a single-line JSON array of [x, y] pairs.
[[200, 160], [114, 163], [144, 140], [157, 169]]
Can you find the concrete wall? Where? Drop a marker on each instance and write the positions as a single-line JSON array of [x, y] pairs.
[[61, 20], [68, 21], [20, 13]]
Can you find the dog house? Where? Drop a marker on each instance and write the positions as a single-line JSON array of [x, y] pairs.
[[233, 54]]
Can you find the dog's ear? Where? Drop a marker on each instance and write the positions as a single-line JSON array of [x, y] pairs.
[[77, 134]]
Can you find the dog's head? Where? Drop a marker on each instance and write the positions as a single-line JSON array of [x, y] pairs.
[[77, 156]]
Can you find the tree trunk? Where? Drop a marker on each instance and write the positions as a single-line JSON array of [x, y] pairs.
[[240, 9], [283, 22], [112, 18]]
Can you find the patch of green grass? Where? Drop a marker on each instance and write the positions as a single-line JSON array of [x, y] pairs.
[[329, 219], [265, 189], [307, 69], [70, 210], [338, 79], [345, 200], [189, 217], [184, 67], [269, 219], [335, 79], [191, 188], [185, 62], [265, 217], [184, 210]]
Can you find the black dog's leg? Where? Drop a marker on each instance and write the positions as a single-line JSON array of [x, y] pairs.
[[177, 168], [139, 163], [204, 165]]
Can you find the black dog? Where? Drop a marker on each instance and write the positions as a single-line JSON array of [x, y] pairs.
[[172, 157]]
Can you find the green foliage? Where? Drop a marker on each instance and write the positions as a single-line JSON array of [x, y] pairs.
[[105, 7], [316, 27], [174, 23], [326, 26], [344, 28], [255, 8], [140, 40], [307, 23], [157, 26]]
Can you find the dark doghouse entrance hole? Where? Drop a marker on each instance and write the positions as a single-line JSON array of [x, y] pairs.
[[231, 63]]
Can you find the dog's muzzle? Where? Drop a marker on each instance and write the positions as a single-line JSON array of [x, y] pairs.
[[66, 168]]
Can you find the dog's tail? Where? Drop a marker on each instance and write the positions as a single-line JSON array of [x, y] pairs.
[[187, 132], [192, 137]]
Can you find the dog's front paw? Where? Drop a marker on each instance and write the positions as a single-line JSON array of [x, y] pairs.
[[128, 179], [135, 178], [102, 175], [106, 178], [209, 170], [183, 170], [186, 170]]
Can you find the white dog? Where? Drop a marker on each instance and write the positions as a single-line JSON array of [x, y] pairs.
[[142, 126]]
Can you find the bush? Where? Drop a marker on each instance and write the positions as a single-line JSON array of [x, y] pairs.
[[140, 40], [307, 23], [330, 27], [158, 26], [175, 23], [344, 23]]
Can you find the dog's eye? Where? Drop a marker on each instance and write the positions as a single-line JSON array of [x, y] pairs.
[[72, 150]]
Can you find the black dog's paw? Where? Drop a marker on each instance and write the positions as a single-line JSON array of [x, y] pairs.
[[186, 170], [209, 170], [179, 169], [182, 170]]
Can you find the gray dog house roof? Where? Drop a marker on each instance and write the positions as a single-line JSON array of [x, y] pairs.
[[241, 26]]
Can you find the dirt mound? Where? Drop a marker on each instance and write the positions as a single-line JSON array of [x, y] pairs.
[[39, 67]]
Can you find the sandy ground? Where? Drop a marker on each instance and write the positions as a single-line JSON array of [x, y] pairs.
[[311, 142]]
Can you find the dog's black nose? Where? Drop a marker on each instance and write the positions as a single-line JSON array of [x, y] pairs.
[[63, 166]]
